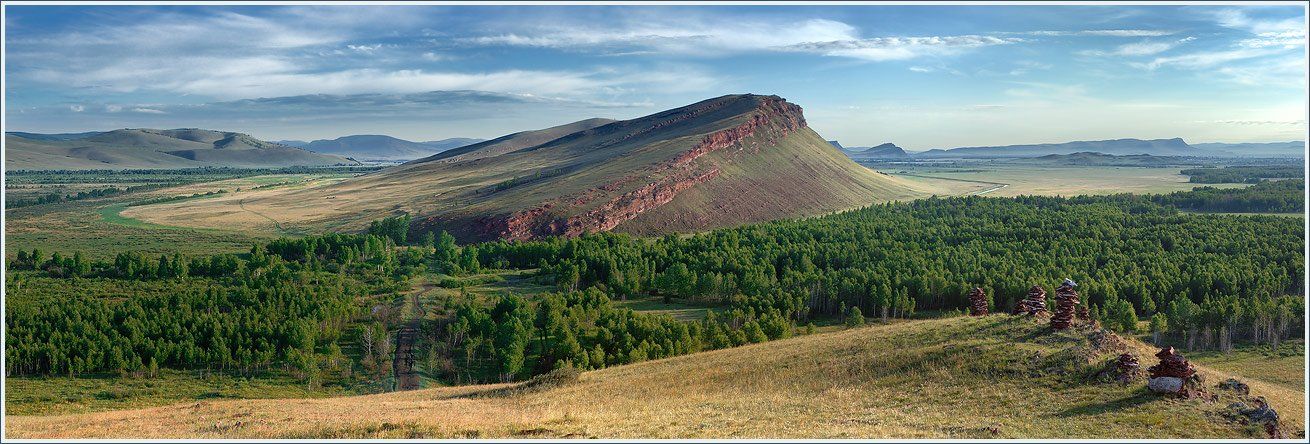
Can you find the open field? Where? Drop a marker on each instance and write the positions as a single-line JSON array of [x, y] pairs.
[[993, 377], [1055, 180], [103, 227]]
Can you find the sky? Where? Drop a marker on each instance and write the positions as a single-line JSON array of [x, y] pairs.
[[921, 76]]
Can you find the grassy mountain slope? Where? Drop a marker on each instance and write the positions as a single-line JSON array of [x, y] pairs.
[[513, 142], [723, 161], [992, 377], [150, 148]]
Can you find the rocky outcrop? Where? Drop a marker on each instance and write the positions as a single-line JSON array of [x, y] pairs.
[[977, 302], [772, 119], [1173, 375]]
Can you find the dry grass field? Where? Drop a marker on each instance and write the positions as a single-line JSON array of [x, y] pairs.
[[1058, 180], [992, 377]]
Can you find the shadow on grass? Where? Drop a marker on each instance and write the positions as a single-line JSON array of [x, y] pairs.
[[1138, 397]]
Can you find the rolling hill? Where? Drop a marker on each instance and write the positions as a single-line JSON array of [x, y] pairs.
[[723, 161], [886, 151], [152, 148], [996, 376], [1098, 159], [1156, 147], [383, 148]]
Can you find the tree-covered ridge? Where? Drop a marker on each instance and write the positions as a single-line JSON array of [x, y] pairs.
[[1204, 280], [1244, 173]]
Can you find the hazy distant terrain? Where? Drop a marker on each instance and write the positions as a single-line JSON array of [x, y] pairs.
[[154, 149], [380, 147]]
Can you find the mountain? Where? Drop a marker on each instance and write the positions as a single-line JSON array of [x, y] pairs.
[[383, 148], [1099, 159], [988, 377], [152, 148], [720, 162], [58, 136], [514, 142], [451, 143], [886, 151], [836, 144], [1157, 147], [294, 143], [1273, 149]]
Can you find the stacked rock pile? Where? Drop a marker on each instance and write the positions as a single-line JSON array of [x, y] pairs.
[[1126, 367], [977, 302], [1034, 304], [1065, 300]]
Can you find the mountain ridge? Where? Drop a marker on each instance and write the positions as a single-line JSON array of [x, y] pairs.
[[154, 148]]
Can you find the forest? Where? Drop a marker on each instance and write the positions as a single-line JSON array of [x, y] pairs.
[[1244, 173], [293, 304]]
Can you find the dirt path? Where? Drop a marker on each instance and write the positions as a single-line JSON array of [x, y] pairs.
[[403, 364]]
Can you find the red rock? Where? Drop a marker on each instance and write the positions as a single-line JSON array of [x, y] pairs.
[[1171, 365], [1034, 303]]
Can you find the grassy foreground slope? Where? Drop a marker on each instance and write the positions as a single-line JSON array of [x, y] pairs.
[[998, 376]]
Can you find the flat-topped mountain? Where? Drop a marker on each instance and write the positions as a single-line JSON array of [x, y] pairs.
[[1156, 147], [719, 162], [153, 148]]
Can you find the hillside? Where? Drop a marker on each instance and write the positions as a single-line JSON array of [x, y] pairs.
[[1156, 147], [151, 148], [886, 151], [993, 377], [723, 161], [383, 148], [514, 142]]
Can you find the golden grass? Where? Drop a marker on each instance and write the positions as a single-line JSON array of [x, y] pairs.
[[961, 378]]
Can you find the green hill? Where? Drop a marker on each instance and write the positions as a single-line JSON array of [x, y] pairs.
[[154, 149], [720, 162]]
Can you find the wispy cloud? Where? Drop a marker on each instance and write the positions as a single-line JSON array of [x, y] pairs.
[[899, 48], [1144, 48], [688, 35], [1101, 33]]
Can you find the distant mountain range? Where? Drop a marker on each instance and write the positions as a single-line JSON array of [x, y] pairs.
[[1175, 147], [153, 148], [373, 147]]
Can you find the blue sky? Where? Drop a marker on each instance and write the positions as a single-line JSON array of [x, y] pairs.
[[921, 76]]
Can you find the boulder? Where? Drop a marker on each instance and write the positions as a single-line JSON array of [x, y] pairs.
[[1165, 384]]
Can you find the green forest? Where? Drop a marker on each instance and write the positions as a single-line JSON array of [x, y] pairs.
[[310, 306]]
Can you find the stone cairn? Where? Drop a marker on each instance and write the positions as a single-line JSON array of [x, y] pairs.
[[1065, 300], [977, 302], [1173, 375], [1126, 367], [1035, 302]]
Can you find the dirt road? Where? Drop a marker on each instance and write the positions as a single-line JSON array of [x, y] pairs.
[[403, 365]]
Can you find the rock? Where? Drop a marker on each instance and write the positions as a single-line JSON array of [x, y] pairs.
[[1257, 411], [977, 302], [1065, 300], [1171, 364], [1165, 384], [1126, 367], [1236, 386]]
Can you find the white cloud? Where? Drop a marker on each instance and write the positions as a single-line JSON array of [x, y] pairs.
[[1239, 19], [147, 111], [113, 108], [1103, 33], [1144, 48], [1205, 59], [899, 48], [920, 69], [680, 35], [76, 108]]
